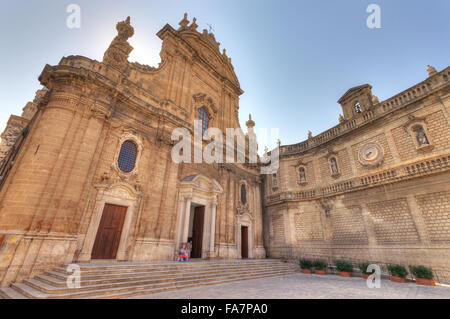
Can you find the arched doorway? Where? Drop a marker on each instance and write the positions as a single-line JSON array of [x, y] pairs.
[[109, 228], [197, 207]]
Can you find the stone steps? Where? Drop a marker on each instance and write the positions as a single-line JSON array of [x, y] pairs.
[[117, 280], [87, 271], [60, 281]]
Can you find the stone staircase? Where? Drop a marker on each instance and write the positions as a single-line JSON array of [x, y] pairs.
[[121, 280]]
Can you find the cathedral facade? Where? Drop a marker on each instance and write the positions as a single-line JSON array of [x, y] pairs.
[[90, 174], [87, 171]]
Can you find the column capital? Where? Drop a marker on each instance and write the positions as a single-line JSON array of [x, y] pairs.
[[214, 202]]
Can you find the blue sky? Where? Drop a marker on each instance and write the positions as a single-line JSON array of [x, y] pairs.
[[294, 59]]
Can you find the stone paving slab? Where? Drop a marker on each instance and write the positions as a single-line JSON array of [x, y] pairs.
[[302, 286]]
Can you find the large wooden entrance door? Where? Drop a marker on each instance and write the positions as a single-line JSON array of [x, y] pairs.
[[197, 232], [109, 232], [244, 242], [2, 239]]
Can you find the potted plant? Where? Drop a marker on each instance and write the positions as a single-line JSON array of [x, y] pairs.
[[423, 275], [344, 268], [398, 273], [319, 267], [306, 266], [363, 266]]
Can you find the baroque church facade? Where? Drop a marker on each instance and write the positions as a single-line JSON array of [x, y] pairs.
[[87, 171]]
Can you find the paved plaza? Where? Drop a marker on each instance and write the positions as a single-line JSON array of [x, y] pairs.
[[301, 286]]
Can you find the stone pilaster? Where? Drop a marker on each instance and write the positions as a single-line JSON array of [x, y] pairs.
[[368, 224], [417, 218]]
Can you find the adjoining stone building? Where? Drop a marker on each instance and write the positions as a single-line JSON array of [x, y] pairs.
[[376, 187], [87, 172]]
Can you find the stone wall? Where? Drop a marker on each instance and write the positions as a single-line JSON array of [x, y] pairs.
[[391, 208]]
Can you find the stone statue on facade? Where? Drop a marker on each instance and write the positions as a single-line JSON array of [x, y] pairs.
[[421, 137], [302, 175], [334, 167], [431, 70], [119, 49]]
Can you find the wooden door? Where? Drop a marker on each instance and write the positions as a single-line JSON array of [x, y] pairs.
[[244, 242], [2, 239], [197, 232], [109, 232]]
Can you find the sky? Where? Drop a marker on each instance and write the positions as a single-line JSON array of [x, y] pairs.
[[294, 59]]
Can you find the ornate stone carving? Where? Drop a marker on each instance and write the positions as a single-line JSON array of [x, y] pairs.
[[371, 154], [243, 203], [119, 49], [184, 23], [375, 100], [333, 161], [431, 70], [241, 208], [201, 99], [105, 177], [250, 123], [194, 25], [334, 166], [99, 111], [417, 128], [128, 135]]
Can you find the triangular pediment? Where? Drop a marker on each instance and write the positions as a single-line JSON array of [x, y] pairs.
[[353, 90], [207, 49]]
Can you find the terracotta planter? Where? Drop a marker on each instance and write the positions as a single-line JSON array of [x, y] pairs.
[[365, 276], [426, 282], [320, 272], [345, 274], [397, 279], [306, 271]]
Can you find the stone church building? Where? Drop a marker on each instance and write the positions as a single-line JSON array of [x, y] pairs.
[[86, 173]]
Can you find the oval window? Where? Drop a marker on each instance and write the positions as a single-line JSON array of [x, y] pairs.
[[127, 156]]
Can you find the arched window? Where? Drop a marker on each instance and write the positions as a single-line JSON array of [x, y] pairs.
[[243, 194], [301, 175], [421, 136], [203, 116], [334, 166], [127, 156], [358, 108]]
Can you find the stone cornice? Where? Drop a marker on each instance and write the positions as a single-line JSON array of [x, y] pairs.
[[241, 171], [102, 76]]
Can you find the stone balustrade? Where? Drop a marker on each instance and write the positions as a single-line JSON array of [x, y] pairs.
[[410, 95], [423, 167]]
